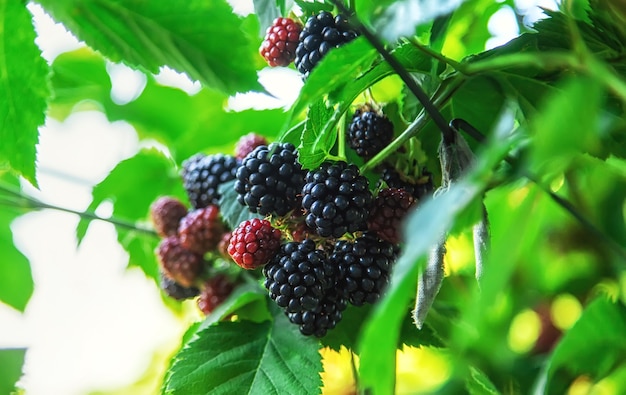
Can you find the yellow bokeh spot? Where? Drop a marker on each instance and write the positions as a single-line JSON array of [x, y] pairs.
[[517, 196], [524, 331], [337, 374], [564, 311], [420, 370], [459, 253], [581, 386]]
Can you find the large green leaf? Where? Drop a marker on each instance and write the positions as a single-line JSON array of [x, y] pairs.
[[16, 280], [593, 346], [11, 361], [423, 229], [317, 139], [24, 89], [270, 357], [232, 211], [203, 39]]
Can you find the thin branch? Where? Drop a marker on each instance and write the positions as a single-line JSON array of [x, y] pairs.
[[410, 82], [436, 55], [27, 202]]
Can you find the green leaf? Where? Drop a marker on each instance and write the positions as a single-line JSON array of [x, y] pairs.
[[24, 87], [317, 139], [593, 346], [232, 211], [16, 280], [132, 186], [191, 37], [270, 357], [11, 361], [336, 70], [422, 230], [477, 383], [576, 108]]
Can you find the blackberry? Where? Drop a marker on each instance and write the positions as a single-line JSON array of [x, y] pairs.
[[178, 263], [320, 320], [175, 290], [336, 199], [418, 188], [321, 33], [281, 39], [364, 266], [247, 144], [201, 230], [388, 211], [165, 213], [203, 174], [214, 293], [369, 132], [253, 243], [298, 276], [270, 179]]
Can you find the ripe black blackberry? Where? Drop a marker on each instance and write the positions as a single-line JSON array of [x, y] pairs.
[[270, 179], [336, 199], [320, 320], [203, 174], [299, 276], [175, 290], [388, 212], [320, 34], [364, 266], [166, 213], [369, 132], [418, 188]]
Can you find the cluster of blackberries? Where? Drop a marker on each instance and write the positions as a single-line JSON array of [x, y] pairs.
[[287, 41]]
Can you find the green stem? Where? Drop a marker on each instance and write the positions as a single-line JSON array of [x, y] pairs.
[[408, 80], [27, 202], [416, 126], [436, 55], [341, 135]]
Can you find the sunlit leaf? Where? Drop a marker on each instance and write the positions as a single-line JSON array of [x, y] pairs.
[[11, 361], [256, 358], [191, 37], [24, 90]]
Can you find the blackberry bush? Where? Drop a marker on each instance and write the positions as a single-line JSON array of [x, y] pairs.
[[280, 43], [178, 263], [364, 267], [166, 213], [388, 212], [321, 33], [298, 276], [270, 179], [336, 199], [203, 174], [253, 243], [369, 132], [201, 230]]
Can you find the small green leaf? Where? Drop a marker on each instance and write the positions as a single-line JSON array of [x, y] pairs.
[[232, 211], [593, 346], [24, 89], [11, 361], [16, 280], [317, 139], [270, 357], [477, 383], [189, 37]]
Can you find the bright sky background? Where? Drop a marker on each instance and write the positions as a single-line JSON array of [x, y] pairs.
[[91, 323]]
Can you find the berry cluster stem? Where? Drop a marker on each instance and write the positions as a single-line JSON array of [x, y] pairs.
[[430, 107]]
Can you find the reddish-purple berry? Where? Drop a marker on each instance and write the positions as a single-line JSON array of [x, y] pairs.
[[178, 263], [248, 143], [166, 213], [214, 293], [253, 243], [201, 230], [388, 211], [280, 43]]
